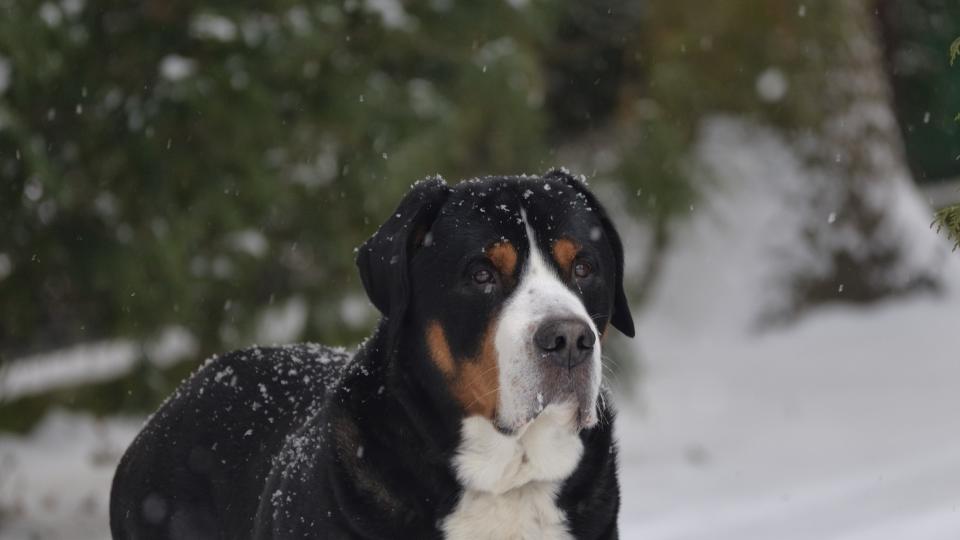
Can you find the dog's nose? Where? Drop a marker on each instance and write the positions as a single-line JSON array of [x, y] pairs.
[[567, 342]]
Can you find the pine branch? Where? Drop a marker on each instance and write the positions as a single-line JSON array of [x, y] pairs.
[[948, 220]]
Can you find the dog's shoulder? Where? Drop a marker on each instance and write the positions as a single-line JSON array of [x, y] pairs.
[[244, 385], [307, 363], [213, 442]]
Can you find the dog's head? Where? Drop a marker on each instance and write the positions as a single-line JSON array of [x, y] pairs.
[[509, 285]]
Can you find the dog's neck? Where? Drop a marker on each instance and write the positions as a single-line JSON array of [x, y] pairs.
[[510, 481]]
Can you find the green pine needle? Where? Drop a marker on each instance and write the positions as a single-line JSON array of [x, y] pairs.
[[948, 220], [954, 51]]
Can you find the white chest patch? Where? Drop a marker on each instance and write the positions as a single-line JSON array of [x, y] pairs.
[[511, 481]]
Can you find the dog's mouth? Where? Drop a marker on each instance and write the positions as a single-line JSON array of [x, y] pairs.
[[583, 409], [576, 387]]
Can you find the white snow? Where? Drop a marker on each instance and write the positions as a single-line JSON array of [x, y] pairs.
[[174, 67], [213, 26], [392, 13], [282, 323], [356, 311], [749, 232], [54, 484], [91, 362], [249, 241], [50, 14], [842, 427], [72, 7], [772, 85]]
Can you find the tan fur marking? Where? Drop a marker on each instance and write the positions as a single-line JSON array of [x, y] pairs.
[[479, 383], [474, 382], [504, 256], [439, 349], [564, 252]]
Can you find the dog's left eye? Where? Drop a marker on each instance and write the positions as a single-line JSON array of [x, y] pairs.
[[582, 269], [482, 276]]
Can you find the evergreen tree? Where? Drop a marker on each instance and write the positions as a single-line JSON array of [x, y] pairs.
[[207, 164], [193, 164]]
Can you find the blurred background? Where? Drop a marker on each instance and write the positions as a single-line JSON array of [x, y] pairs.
[[179, 178]]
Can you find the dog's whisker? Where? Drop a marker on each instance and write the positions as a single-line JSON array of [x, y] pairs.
[[477, 398], [485, 371]]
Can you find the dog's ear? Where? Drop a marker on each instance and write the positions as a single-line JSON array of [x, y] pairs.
[[621, 319], [384, 257]]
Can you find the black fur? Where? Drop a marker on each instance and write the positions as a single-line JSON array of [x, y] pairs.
[[305, 441]]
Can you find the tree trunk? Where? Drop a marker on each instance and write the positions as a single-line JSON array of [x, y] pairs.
[[861, 173]]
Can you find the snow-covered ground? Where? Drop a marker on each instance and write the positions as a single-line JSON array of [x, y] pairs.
[[54, 484], [846, 426]]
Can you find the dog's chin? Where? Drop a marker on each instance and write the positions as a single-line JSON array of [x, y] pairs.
[[579, 412], [582, 404]]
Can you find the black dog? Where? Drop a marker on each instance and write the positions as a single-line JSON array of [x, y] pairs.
[[474, 410]]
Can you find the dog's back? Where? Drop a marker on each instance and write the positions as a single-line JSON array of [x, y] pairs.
[[207, 451]]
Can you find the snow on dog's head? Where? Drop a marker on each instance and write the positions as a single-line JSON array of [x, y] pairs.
[[496, 294]]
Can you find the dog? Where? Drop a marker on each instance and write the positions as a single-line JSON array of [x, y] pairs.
[[475, 409]]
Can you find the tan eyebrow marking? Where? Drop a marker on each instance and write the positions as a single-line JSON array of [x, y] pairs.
[[475, 382], [503, 256], [564, 252]]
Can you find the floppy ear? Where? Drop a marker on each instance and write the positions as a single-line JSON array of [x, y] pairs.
[[621, 319], [384, 257]]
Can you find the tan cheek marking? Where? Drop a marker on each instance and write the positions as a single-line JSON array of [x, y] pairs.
[[474, 382], [564, 252], [479, 383], [504, 256], [439, 349]]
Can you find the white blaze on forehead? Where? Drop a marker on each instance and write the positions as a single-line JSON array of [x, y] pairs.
[[540, 295]]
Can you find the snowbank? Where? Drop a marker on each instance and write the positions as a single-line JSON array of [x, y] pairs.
[[88, 363], [54, 484], [844, 427]]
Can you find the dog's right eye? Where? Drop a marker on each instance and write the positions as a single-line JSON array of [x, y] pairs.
[[482, 276]]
